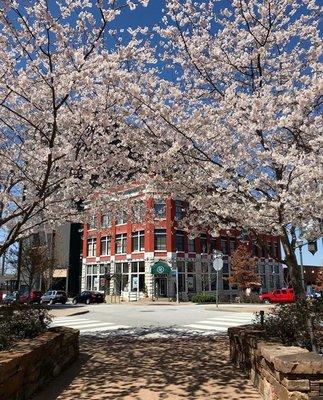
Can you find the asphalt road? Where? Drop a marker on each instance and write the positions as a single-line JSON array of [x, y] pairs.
[[190, 317]]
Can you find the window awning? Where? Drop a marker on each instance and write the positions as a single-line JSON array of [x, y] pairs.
[[161, 268]]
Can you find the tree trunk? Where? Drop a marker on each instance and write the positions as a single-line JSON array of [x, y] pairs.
[[294, 269]]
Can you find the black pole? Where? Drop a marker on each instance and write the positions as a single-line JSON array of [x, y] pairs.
[[262, 318], [19, 264]]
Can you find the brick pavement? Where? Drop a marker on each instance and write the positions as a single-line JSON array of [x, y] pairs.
[[183, 368]]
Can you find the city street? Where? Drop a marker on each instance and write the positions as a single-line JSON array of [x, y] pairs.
[[103, 319]]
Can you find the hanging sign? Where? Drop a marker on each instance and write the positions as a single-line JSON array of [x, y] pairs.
[[312, 247]]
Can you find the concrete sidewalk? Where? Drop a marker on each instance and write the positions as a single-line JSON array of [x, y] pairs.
[[119, 368]]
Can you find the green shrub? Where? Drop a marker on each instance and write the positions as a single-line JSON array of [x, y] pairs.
[[21, 322], [294, 324], [203, 298]]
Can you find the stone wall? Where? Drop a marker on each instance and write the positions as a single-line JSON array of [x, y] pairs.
[[279, 372], [34, 362]]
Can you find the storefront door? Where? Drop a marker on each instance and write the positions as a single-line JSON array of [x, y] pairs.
[[160, 286]]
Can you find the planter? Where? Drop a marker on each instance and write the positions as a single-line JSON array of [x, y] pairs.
[[34, 362], [279, 372]]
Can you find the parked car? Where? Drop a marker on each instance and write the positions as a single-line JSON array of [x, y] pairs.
[[10, 298], [54, 296], [278, 296], [89, 297], [33, 296]]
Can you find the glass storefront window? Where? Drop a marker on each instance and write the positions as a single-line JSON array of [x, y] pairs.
[[181, 266], [181, 283], [125, 268], [102, 269], [118, 268], [96, 278], [190, 267], [191, 283], [141, 266], [213, 281]]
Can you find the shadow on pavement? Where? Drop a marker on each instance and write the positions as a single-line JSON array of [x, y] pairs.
[[144, 366]]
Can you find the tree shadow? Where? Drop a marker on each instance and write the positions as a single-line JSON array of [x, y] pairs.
[[149, 364]]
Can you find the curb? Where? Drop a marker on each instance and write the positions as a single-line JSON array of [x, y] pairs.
[[73, 314], [79, 313]]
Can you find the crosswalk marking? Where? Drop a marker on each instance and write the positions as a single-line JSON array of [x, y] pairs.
[[86, 325], [221, 323], [105, 328]]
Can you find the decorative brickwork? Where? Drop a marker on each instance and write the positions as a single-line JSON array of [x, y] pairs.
[[279, 372], [34, 362]]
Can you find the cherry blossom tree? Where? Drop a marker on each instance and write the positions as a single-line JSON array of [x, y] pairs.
[[62, 115], [233, 112]]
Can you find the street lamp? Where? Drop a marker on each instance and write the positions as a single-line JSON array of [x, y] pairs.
[[300, 243], [217, 265]]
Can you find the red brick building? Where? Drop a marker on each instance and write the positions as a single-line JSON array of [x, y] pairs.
[[137, 259]]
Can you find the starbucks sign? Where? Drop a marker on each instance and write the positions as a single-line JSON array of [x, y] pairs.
[[161, 268]]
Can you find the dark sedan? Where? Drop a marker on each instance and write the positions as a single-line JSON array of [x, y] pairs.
[[11, 298], [88, 297]]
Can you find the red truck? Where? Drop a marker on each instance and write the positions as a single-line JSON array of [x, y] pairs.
[[278, 296]]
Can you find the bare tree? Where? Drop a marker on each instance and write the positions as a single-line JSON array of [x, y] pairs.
[[244, 269]]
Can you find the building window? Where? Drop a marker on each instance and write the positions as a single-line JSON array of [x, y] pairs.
[[212, 244], [191, 245], [121, 243], [121, 218], [93, 222], [263, 282], [160, 209], [106, 221], [232, 246], [138, 211], [160, 239], [225, 275], [275, 250], [138, 241], [91, 247], [224, 245], [105, 245], [179, 210], [96, 277], [179, 241], [203, 242], [255, 249], [262, 269]]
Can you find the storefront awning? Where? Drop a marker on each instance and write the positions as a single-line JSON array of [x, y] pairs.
[[161, 268], [60, 273]]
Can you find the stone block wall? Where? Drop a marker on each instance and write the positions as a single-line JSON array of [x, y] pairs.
[[279, 372], [34, 362]]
